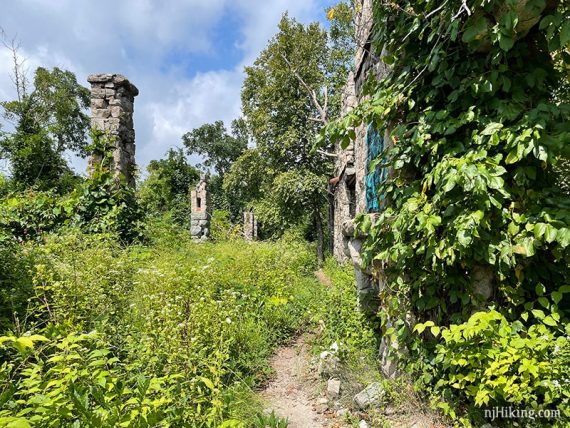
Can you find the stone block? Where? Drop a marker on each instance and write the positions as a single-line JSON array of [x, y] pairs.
[[199, 215], [97, 93], [101, 112], [370, 396], [98, 103], [482, 280], [116, 111], [333, 389], [328, 366], [196, 231]]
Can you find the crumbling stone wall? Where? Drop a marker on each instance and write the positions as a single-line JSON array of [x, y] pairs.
[[351, 166], [112, 107], [350, 194], [249, 226], [201, 211]]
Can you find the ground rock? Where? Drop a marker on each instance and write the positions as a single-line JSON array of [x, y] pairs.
[[333, 389], [371, 395]]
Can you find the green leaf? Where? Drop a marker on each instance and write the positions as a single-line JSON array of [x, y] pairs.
[[539, 230], [550, 233], [475, 28], [23, 343], [208, 383], [19, 423], [565, 33], [550, 321], [491, 128], [506, 42], [435, 330], [514, 155], [544, 302], [556, 297]]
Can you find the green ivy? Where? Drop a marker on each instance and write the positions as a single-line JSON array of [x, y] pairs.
[[477, 101]]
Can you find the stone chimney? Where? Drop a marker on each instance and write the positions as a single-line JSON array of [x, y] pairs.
[[201, 211], [112, 106], [249, 226]]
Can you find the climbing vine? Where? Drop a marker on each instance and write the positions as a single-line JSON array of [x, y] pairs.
[[477, 103]]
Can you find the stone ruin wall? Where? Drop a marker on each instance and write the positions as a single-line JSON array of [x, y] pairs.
[[112, 107], [350, 192], [201, 213], [249, 226], [351, 166]]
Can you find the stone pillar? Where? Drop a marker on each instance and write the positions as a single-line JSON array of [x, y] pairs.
[[112, 106], [201, 211], [249, 226]]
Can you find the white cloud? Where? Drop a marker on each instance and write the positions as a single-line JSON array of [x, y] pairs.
[[135, 38]]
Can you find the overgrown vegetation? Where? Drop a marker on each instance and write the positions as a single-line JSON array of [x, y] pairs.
[[171, 334]]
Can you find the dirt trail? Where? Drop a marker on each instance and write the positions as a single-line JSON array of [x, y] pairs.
[[288, 394]]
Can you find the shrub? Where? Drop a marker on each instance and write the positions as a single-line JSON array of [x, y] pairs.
[[489, 361]]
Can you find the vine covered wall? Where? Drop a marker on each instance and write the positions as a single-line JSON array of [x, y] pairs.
[[478, 105]]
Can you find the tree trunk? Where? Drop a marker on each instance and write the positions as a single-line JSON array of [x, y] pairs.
[[331, 220], [320, 236]]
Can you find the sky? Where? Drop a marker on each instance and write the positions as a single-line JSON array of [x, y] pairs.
[[185, 56]]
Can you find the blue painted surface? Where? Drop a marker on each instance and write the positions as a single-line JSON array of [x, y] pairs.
[[373, 179]]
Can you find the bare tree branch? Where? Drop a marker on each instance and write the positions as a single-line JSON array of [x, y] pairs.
[[18, 76], [322, 110]]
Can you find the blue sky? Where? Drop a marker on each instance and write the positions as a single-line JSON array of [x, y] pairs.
[[185, 56]]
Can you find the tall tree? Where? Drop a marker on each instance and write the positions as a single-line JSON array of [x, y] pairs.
[[218, 147], [289, 94], [47, 121]]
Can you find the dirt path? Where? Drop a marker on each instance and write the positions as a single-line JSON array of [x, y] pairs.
[[289, 393]]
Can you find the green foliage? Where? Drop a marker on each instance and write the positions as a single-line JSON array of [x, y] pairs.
[[347, 326], [75, 380], [277, 106], [182, 330], [292, 89], [15, 282], [167, 187], [477, 108], [105, 203], [48, 121], [493, 362], [28, 214], [218, 148], [221, 228]]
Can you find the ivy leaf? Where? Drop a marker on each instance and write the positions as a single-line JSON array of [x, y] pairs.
[[556, 297], [478, 26], [565, 33], [539, 230], [435, 330], [550, 321], [491, 128], [506, 42]]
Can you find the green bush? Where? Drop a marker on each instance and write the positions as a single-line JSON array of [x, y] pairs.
[[346, 325], [221, 227], [15, 281], [489, 361]]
